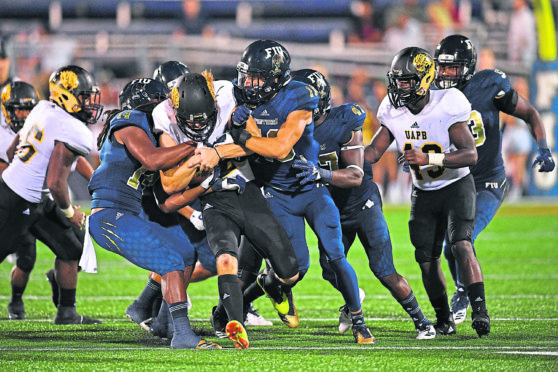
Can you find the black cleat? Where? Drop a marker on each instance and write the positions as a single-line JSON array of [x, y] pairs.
[[218, 323], [445, 327], [16, 310], [481, 323], [68, 315]]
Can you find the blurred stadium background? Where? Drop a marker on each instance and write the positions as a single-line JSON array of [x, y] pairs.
[[351, 41]]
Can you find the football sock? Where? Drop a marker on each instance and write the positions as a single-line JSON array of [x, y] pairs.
[[475, 292], [441, 307], [411, 306], [231, 296], [17, 293], [183, 336], [247, 278], [272, 286], [251, 293], [67, 297], [348, 283], [150, 292]]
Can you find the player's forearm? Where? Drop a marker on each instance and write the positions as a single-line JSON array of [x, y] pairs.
[[347, 178], [230, 151], [461, 158], [177, 179], [84, 168], [178, 201], [269, 147]]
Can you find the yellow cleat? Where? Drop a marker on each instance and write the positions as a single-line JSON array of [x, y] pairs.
[[362, 335], [291, 318], [237, 333], [281, 307], [207, 345]]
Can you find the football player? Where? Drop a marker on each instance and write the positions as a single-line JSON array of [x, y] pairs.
[[202, 110], [53, 136], [490, 93], [274, 120], [430, 129], [18, 99], [129, 159], [338, 131]]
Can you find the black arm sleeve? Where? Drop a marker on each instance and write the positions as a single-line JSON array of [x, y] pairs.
[[506, 103]]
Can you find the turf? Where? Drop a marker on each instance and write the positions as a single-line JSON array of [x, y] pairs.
[[517, 252]]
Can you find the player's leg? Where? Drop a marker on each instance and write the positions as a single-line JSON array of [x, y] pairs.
[[65, 240], [461, 225], [374, 235], [323, 217], [26, 254], [427, 226]]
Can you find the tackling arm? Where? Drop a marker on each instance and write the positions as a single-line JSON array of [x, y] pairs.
[[379, 144], [352, 160], [178, 178]]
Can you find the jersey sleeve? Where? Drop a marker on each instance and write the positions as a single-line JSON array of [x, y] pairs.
[[456, 105], [383, 114], [76, 137], [353, 116], [130, 118], [161, 120], [306, 96]]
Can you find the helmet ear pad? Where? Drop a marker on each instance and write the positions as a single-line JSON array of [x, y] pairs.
[[195, 107]]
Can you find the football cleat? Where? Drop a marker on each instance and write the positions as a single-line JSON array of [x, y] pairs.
[[68, 315], [481, 323], [362, 335], [345, 319], [253, 318], [291, 318], [16, 310], [236, 332], [445, 327], [281, 307], [459, 305], [218, 324], [207, 345], [425, 330], [138, 313]]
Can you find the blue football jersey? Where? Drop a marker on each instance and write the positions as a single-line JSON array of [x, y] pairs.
[[117, 183], [482, 89], [270, 116], [335, 132]]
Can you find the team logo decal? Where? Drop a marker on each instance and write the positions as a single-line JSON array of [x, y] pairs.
[[6, 93], [69, 80], [422, 62], [175, 97]]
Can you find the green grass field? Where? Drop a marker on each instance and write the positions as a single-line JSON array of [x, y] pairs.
[[519, 257]]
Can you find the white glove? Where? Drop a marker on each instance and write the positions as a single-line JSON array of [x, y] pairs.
[[197, 220]]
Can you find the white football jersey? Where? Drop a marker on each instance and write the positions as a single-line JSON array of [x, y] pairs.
[[6, 137], [165, 121], [429, 132], [46, 123]]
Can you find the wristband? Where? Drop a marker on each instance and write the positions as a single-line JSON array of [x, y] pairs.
[[217, 152], [436, 159], [326, 175], [542, 143], [68, 212]]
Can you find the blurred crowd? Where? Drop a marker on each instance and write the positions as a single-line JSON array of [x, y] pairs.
[[375, 24]]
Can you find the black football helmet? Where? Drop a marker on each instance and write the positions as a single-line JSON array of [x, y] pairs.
[[74, 89], [169, 72], [17, 95], [195, 108], [457, 51], [410, 77], [318, 81], [263, 69], [141, 91]]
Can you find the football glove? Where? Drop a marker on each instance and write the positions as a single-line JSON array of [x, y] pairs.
[[237, 184], [311, 172], [197, 220], [212, 178], [239, 116], [544, 160]]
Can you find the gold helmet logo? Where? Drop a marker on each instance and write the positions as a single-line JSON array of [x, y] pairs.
[[422, 62], [175, 97], [69, 80], [6, 93]]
